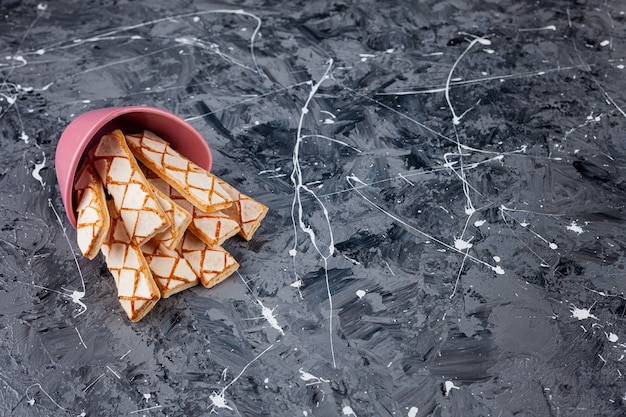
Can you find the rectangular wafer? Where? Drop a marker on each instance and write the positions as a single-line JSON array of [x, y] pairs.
[[141, 213], [192, 181]]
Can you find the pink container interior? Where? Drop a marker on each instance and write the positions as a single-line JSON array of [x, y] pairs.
[[84, 132]]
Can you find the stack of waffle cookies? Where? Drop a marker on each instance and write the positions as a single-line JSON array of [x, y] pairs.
[[159, 219]]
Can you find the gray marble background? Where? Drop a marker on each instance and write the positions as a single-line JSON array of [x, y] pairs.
[[446, 188]]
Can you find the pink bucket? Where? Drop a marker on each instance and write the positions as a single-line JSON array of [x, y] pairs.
[[84, 132]]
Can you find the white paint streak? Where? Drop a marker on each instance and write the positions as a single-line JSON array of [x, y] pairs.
[[76, 296], [352, 180], [219, 399], [141, 410], [311, 379], [31, 400], [37, 170], [297, 211], [80, 337]]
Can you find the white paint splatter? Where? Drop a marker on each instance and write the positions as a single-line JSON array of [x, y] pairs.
[[76, 296], [479, 223], [582, 313], [449, 386], [574, 227], [219, 399], [360, 293], [31, 400], [268, 314], [347, 411], [310, 378], [461, 244], [37, 170], [354, 180], [613, 338]]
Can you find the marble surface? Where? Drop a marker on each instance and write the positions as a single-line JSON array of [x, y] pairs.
[[446, 189]]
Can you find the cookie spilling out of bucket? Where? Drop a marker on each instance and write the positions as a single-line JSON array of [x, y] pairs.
[[158, 218]]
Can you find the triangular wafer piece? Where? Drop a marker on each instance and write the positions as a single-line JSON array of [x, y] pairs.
[[136, 288], [170, 270], [212, 228], [92, 215], [178, 216], [211, 265], [245, 210], [141, 213], [194, 182]]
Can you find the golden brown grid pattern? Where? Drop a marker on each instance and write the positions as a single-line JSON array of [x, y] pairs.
[[211, 264], [92, 216], [192, 181], [141, 214], [136, 289], [178, 216], [245, 210], [170, 270], [212, 228]]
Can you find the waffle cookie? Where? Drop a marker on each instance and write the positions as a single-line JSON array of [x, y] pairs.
[[136, 288], [170, 271], [141, 213], [159, 224], [92, 215], [246, 211], [178, 217], [211, 264], [195, 183], [212, 228]]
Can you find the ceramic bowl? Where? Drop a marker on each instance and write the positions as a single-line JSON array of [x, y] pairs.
[[86, 129]]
